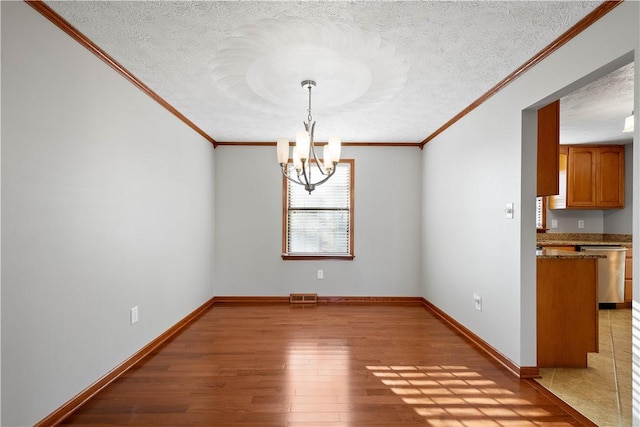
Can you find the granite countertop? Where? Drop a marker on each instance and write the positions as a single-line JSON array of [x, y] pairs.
[[583, 239], [548, 253], [551, 243]]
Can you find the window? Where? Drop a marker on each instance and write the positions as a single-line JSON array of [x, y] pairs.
[[319, 225], [541, 213]]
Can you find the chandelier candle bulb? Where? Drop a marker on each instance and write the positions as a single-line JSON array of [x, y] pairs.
[[335, 148], [326, 154], [283, 151], [297, 162], [303, 143]]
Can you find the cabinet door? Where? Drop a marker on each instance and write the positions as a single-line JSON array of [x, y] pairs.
[[610, 177], [591, 177], [581, 177], [548, 140]]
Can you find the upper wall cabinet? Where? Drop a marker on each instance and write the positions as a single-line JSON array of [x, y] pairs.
[[548, 143], [591, 177]]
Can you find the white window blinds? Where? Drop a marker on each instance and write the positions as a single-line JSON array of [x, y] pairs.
[[540, 213], [319, 223]]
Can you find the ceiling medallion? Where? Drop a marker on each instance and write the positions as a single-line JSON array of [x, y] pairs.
[[261, 64]]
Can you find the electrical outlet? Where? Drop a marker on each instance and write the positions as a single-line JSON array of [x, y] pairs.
[[134, 315], [581, 223], [477, 299], [554, 223], [320, 274]]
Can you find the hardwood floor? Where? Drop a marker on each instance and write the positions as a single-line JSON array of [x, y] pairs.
[[328, 365]]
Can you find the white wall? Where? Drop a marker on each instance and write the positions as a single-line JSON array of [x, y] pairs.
[[249, 227], [107, 203], [473, 168]]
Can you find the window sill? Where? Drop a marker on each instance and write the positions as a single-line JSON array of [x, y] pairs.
[[315, 257]]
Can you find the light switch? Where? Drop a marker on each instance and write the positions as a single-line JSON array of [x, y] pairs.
[[508, 211], [134, 315]]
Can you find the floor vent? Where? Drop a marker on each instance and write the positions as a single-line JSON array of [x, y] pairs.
[[303, 298]]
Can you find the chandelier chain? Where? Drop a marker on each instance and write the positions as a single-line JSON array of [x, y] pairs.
[[309, 117]]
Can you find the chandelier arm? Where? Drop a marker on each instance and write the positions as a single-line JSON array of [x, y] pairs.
[[298, 181], [286, 175], [328, 175], [304, 174], [315, 157], [320, 167]]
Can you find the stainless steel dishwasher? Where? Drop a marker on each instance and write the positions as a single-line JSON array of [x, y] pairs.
[[610, 272]]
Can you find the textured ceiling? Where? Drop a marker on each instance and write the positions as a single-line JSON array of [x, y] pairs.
[[386, 71], [596, 112]]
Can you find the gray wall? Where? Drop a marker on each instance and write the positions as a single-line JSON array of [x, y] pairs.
[[620, 221], [249, 227], [107, 203], [610, 221], [487, 160]]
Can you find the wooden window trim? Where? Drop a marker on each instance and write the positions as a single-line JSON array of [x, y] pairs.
[[317, 257]]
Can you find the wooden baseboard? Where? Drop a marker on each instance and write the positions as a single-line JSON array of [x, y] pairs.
[[371, 300], [320, 300], [68, 408], [250, 300], [522, 372]]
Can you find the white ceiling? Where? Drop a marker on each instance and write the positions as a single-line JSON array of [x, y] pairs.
[[595, 113], [386, 71]]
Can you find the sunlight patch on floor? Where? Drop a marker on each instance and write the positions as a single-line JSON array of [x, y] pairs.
[[441, 394]]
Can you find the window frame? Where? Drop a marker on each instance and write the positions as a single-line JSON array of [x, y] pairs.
[[318, 256]]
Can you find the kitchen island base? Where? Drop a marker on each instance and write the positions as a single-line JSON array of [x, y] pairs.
[[567, 311]]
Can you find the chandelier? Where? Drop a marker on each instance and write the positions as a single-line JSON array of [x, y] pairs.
[[304, 153]]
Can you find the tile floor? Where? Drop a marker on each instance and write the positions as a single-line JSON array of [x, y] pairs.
[[602, 391]]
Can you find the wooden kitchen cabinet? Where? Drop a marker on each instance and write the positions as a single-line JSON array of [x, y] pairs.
[[548, 149], [567, 311], [610, 176], [591, 177]]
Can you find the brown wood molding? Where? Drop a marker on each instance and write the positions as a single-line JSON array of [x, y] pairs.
[[319, 144], [250, 300], [529, 372], [65, 26], [572, 32], [326, 299], [519, 371], [287, 257], [370, 300], [80, 399]]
